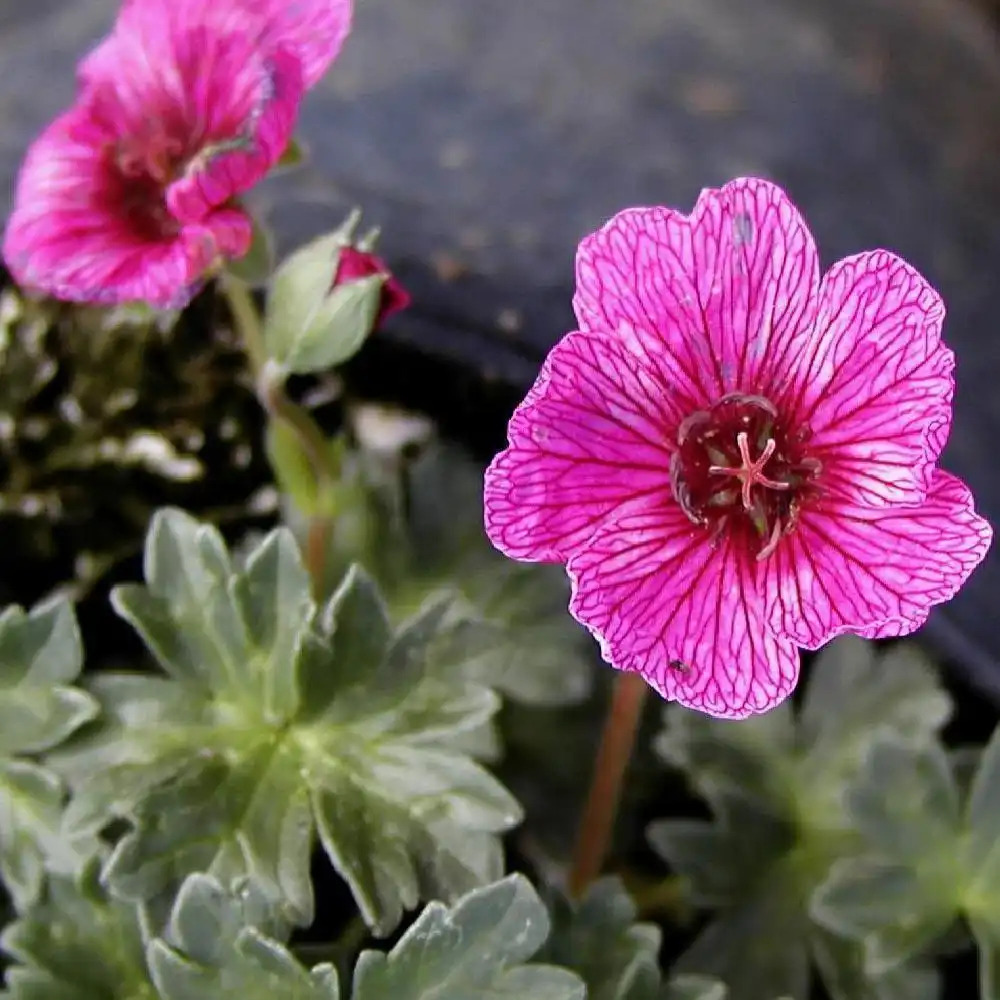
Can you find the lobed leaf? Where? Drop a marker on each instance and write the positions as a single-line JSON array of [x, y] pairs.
[[424, 536], [279, 723], [77, 944], [481, 948], [211, 949], [478, 949], [600, 940], [40, 657], [778, 787]]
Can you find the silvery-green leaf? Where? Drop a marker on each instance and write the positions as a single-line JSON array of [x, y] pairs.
[[779, 788], [695, 988], [424, 536], [280, 724], [480, 949], [40, 657], [895, 914], [210, 951], [600, 939], [77, 944]]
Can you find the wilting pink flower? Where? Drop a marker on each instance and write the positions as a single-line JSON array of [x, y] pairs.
[[734, 457], [354, 264], [129, 195]]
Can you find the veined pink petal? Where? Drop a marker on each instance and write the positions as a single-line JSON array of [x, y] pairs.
[[227, 167], [594, 432], [74, 234], [314, 29], [687, 616], [189, 80], [877, 571], [726, 289], [875, 382]]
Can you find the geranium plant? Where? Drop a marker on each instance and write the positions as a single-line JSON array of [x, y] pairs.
[[293, 777]]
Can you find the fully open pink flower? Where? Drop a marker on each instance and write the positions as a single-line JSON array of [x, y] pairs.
[[129, 195], [734, 457]]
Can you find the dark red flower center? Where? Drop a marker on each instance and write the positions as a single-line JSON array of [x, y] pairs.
[[144, 166], [738, 468]]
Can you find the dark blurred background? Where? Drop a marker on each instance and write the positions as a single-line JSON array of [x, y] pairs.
[[486, 138]]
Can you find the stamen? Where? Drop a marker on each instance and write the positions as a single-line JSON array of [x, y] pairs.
[[772, 542], [751, 473]]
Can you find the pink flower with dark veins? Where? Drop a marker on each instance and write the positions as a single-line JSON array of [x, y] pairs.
[[130, 194], [734, 457]]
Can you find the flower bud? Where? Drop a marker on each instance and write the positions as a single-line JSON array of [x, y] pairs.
[[325, 299]]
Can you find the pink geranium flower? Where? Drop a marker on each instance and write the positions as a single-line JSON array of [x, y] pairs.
[[735, 458], [129, 195]]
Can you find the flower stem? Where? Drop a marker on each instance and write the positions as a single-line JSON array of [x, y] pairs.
[[244, 313], [597, 822], [269, 381], [318, 536]]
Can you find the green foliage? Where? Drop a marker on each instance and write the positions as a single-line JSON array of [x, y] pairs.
[[77, 944], [221, 943], [932, 857], [599, 938], [276, 722], [777, 786], [256, 265], [695, 988], [417, 525], [40, 657], [478, 949]]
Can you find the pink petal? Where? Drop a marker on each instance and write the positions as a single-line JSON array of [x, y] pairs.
[[664, 602], [73, 234], [593, 432], [195, 73], [314, 29], [226, 167], [876, 571], [728, 289], [875, 383]]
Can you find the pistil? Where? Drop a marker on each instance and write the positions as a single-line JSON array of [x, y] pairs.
[[751, 472]]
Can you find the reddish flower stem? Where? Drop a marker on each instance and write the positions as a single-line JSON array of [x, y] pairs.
[[598, 819], [319, 534]]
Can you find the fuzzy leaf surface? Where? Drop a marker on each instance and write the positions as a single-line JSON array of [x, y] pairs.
[[277, 722], [600, 939], [417, 524], [40, 658], [480, 949], [932, 832], [777, 786], [77, 945], [215, 947]]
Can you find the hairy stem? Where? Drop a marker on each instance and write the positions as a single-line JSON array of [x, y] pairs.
[[269, 381], [598, 819]]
